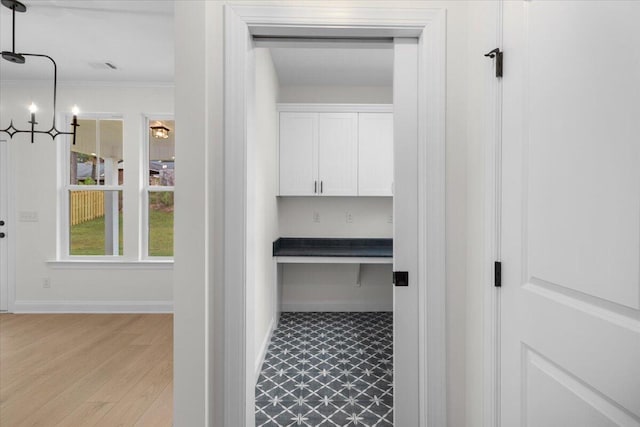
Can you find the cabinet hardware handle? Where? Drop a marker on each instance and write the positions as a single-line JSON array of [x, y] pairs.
[[315, 187], [321, 187]]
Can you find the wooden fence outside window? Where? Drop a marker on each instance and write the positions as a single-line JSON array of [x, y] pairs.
[[86, 205]]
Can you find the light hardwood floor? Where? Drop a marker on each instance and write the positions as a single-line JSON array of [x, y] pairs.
[[77, 370]]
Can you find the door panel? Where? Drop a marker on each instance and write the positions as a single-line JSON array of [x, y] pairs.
[[571, 214], [298, 159], [406, 350], [338, 154]]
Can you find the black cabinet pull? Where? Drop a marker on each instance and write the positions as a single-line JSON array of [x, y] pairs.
[[2, 235], [315, 187], [320, 187]]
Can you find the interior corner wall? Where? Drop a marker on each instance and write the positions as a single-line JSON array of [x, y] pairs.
[[36, 189], [265, 204]]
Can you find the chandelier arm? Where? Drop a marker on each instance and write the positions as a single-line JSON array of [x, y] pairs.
[[55, 81], [13, 29]]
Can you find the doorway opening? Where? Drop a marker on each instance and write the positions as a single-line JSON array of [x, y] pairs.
[[418, 137], [323, 251]]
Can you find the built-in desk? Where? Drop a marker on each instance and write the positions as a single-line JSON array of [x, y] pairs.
[[346, 249], [303, 250]]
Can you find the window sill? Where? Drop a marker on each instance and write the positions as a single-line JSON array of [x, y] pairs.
[[111, 264]]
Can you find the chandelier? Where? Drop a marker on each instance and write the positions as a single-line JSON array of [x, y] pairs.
[[160, 132], [20, 58]]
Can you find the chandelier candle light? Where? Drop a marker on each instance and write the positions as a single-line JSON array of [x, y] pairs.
[[19, 58]]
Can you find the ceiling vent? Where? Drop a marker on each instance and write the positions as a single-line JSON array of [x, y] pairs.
[[106, 65]]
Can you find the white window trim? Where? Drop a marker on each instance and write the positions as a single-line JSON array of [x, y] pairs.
[[140, 260], [146, 188]]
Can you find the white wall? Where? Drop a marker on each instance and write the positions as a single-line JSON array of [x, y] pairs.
[[372, 216], [334, 287], [265, 203], [199, 74], [337, 94], [37, 189]]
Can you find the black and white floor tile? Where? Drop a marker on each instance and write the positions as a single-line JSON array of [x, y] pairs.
[[328, 369]]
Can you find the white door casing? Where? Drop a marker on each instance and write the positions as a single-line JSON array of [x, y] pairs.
[[570, 296], [427, 277], [338, 154]]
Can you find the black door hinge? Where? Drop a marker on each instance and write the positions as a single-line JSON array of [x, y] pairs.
[[498, 54], [497, 274]]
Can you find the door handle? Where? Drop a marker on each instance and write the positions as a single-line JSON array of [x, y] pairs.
[[1, 223], [2, 235], [315, 187], [320, 187]]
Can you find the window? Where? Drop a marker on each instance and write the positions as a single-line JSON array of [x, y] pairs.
[[93, 190], [95, 195], [159, 187]]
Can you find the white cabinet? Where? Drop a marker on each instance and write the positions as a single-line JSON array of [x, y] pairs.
[[375, 154], [298, 154], [338, 154], [335, 153]]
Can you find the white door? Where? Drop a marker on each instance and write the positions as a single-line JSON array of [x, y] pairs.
[[406, 364], [375, 154], [570, 296], [298, 154], [4, 234], [338, 154]]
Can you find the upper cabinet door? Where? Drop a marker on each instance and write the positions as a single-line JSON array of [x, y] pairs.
[[298, 154], [375, 154], [338, 154]]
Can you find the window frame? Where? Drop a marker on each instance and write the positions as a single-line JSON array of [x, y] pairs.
[[147, 188], [64, 241]]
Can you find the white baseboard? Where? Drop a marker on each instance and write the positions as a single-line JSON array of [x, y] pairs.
[[263, 348], [93, 307], [336, 306]]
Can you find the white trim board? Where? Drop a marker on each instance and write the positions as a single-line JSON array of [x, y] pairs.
[[429, 26], [110, 264], [93, 307], [264, 347]]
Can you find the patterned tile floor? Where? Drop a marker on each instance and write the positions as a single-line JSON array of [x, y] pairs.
[[328, 369]]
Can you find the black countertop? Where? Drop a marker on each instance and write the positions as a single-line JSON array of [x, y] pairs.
[[332, 247]]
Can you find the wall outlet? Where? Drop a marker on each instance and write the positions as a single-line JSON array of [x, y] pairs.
[[28, 216], [390, 219], [349, 217], [316, 217], [46, 283]]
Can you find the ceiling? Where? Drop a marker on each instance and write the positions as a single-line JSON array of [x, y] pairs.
[[137, 36], [337, 66]]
